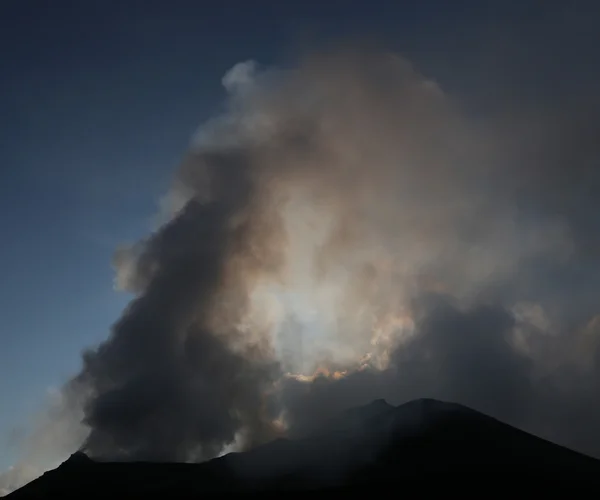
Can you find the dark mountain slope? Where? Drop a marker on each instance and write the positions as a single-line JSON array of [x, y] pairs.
[[378, 448]]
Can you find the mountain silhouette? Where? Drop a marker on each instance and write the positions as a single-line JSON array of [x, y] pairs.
[[426, 444]]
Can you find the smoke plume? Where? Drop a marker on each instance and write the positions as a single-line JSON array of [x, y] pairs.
[[344, 232]]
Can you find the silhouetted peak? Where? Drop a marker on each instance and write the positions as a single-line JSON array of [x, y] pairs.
[[374, 408], [431, 406], [424, 442], [379, 405], [78, 458], [417, 415]]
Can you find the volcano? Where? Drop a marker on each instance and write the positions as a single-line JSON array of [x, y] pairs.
[[425, 444]]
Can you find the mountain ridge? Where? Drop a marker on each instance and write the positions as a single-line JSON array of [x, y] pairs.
[[374, 447]]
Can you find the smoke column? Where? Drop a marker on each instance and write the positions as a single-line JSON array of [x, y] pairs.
[[343, 232]]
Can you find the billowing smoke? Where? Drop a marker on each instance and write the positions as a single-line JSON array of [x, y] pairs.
[[343, 232]]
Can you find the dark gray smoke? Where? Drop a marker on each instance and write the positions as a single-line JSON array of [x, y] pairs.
[[344, 219], [166, 386], [344, 233]]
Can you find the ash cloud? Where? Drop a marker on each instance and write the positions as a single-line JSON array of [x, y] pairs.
[[344, 233], [344, 218]]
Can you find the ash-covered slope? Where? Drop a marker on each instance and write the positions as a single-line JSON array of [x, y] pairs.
[[424, 443]]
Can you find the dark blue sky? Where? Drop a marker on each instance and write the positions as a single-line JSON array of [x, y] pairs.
[[99, 98]]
